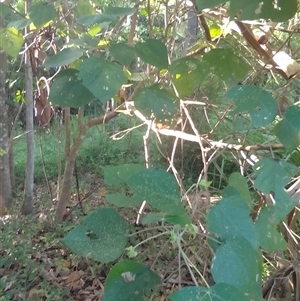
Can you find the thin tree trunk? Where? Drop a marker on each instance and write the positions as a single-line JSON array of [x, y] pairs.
[[5, 183], [29, 178]]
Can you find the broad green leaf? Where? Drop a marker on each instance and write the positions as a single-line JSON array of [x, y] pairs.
[[68, 91], [41, 13], [217, 292], [102, 236], [226, 65], [101, 77], [114, 175], [11, 41], [121, 200], [153, 52], [123, 53], [236, 263], [19, 24], [159, 188], [201, 4], [266, 230], [158, 102], [272, 174], [229, 191], [152, 218], [230, 217], [188, 74], [119, 11], [129, 280], [288, 129], [83, 8], [287, 135], [91, 20], [64, 57], [239, 182], [277, 11], [255, 101]]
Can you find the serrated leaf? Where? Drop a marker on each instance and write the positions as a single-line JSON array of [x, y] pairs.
[[239, 182], [41, 13], [278, 11], [119, 11], [129, 280], [102, 236], [64, 57], [67, 90], [188, 74], [158, 102], [226, 65], [123, 53], [11, 41], [101, 77], [114, 175], [230, 217], [217, 292], [153, 52], [266, 230], [236, 263], [255, 101]]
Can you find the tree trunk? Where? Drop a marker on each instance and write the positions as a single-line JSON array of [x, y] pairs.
[[29, 178], [5, 183]]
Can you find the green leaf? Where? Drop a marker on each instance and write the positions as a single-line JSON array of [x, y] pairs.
[[41, 13], [68, 91], [121, 200], [119, 11], [102, 236], [255, 101], [266, 230], [20, 23], [153, 52], [217, 292], [128, 281], [278, 11], [239, 182], [91, 20], [64, 57], [201, 4], [123, 53], [230, 217], [120, 174], [288, 129], [159, 188], [226, 65], [236, 263], [152, 218], [272, 174], [188, 74], [101, 77], [159, 102], [2, 152], [11, 41], [83, 8]]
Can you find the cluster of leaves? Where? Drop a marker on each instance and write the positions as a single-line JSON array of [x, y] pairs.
[[236, 240]]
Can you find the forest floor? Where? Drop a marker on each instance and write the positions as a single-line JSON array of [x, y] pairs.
[[36, 265]]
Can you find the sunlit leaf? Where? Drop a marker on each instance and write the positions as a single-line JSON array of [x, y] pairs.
[[11, 41]]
